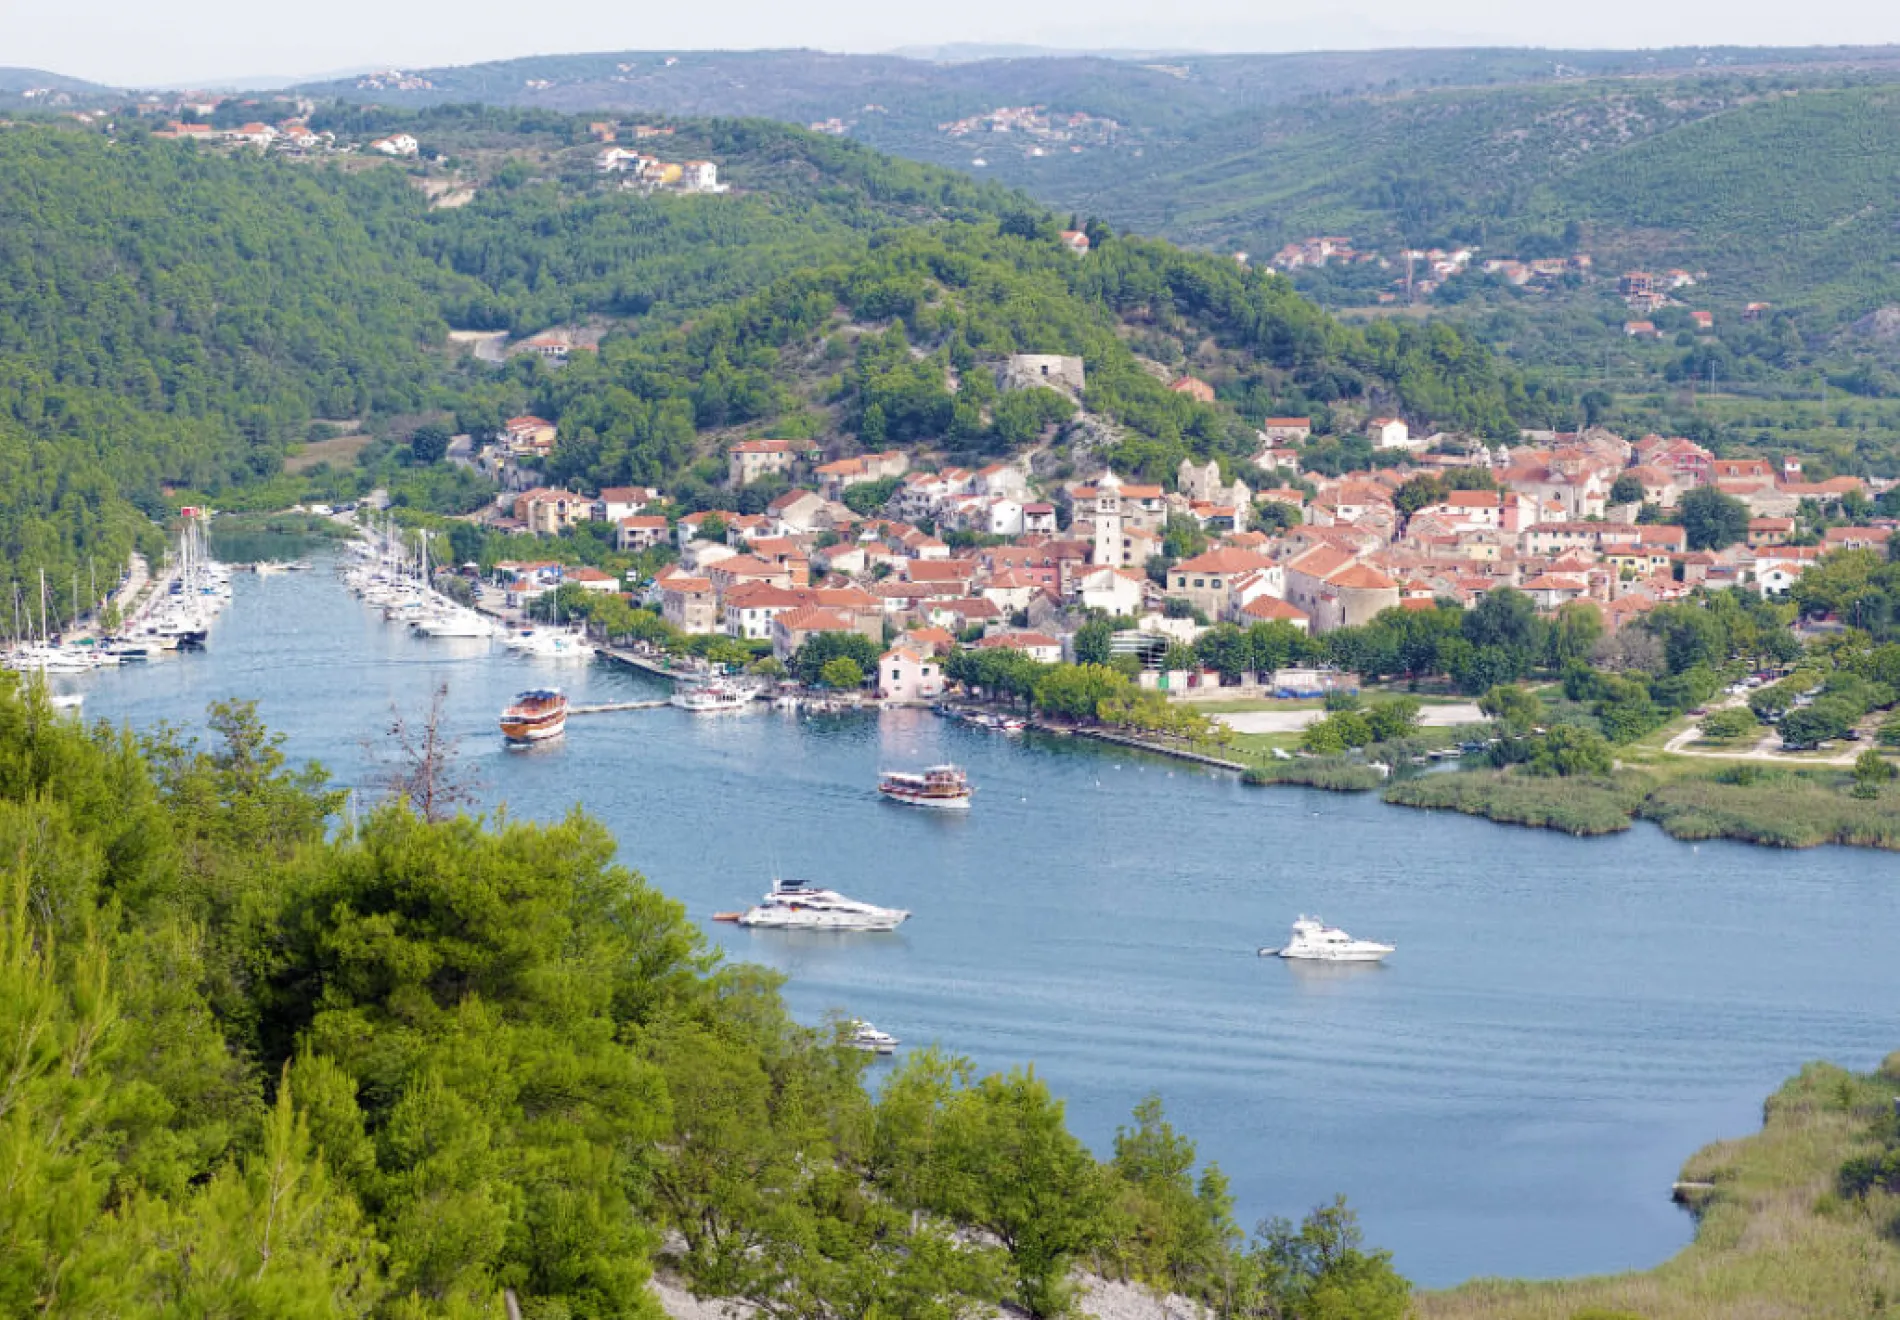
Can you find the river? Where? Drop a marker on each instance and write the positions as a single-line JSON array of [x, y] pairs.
[[1564, 1022]]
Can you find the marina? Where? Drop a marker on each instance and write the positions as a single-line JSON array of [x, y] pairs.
[[1513, 1094]]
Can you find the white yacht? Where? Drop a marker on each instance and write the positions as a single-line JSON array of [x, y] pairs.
[[795, 905], [1313, 939], [455, 622], [868, 1038], [551, 644], [710, 698]]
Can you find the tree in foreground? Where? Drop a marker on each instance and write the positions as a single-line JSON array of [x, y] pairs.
[[1320, 1270]]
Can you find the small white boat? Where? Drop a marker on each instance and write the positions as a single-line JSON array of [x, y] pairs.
[[868, 1038], [795, 905], [1314, 940]]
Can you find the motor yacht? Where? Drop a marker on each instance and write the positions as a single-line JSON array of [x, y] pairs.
[[1314, 940], [795, 905], [868, 1038], [710, 698], [551, 644]]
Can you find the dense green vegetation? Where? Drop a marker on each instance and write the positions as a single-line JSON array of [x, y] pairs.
[[262, 1064]]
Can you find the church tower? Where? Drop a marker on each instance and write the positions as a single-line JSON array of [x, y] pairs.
[[1107, 516]]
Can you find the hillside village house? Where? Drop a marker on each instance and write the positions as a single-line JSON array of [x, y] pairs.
[[547, 512], [617, 502], [792, 629], [1271, 609], [591, 579], [1335, 590], [642, 531], [836, 477], [1205, 580], [748, 610], [690, 604], [749, 460], [528, 435], [1277, 431], [1388, 433], [1039, 647]]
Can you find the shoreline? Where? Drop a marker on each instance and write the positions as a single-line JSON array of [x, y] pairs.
[[1785, 807]]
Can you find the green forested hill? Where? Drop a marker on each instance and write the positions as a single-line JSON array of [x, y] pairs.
[[172, 316], [167, 318]]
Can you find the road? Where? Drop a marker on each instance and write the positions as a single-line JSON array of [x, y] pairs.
[[1761, 751], [1294, 721]]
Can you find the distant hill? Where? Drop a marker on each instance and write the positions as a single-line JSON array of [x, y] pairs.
[[1487, 147], [38, 89], [1143, 89]]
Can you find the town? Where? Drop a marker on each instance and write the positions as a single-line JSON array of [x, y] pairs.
[[923, 560]]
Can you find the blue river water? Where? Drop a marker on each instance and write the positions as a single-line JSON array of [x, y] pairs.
[[1564, 1022]]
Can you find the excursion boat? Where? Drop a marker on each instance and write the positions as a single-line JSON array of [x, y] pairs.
[[795, 905], [535, 716], [868, 1038], [709, 698], [1315, 941], [943, 787]]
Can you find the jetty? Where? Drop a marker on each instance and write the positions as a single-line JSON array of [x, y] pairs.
[[646, 663], [1142, 744], [608, 707]]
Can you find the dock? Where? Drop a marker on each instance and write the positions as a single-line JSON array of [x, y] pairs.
[[608, 707], [647, 664], [1159, 749]]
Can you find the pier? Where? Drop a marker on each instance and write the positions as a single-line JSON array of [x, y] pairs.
[[635, 660], [608, 707]]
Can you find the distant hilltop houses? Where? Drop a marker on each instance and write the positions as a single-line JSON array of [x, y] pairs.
[[698, 176], [1422, 271], [1040, 127], [394, 80]]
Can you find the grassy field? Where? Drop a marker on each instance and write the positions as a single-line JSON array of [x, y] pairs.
[[339, 452], [1774, 1240]]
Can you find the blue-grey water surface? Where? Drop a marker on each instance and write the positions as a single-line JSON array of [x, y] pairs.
[[1564, 1021]]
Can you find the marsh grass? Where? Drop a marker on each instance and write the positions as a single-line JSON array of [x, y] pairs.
[[1774, 1241], [1575, 806]]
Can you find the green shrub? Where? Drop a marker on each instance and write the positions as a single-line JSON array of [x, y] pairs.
[[1735, 722]]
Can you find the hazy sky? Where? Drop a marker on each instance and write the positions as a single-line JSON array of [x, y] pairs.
[[147, 43]]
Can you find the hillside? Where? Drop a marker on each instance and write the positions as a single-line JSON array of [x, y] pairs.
[[1496, 148], [178, 320], [38, 90]]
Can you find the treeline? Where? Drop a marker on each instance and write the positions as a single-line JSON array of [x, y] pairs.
[[261, 1063]]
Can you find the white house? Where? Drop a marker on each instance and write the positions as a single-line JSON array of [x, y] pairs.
[[1389, 433], [1116, 592], [397, 144]]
